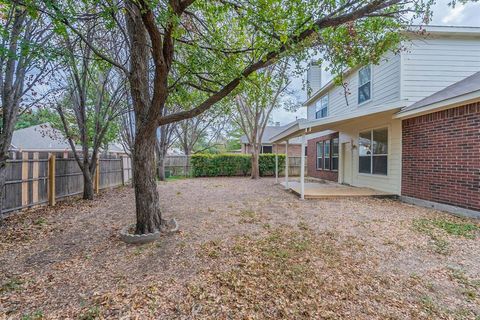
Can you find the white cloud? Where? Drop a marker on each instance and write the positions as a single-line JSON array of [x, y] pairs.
[[460, 15], [455, 14]]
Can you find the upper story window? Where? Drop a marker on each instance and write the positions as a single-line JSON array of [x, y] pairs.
[[322, 107], [364, 84]]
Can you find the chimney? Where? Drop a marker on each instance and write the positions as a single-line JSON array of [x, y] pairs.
[[314, 77], [277, 124]]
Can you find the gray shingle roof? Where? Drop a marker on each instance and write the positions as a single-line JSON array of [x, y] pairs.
[[465, 86], [271, 131], [39, 137]]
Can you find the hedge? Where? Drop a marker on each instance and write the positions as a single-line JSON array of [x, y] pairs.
[[215, 165]]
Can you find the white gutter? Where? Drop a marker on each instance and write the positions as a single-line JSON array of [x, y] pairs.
[[307, 126]]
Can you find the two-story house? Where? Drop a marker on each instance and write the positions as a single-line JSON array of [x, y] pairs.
[[409, 125]]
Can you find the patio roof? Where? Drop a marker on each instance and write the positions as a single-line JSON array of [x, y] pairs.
[[328, 123]]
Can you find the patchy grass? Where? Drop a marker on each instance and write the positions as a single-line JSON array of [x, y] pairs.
[[211, 249], [90, 314], [460, 229], [437, 229], [40, 222], [471, 287], [11, 284], [36, 315], [175, 178], [248, 216], [466, 230]]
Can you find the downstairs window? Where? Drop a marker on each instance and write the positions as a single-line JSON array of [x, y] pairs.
[[373, 151]]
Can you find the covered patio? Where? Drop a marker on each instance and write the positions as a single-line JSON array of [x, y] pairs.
[[327, 189], [302, 128]]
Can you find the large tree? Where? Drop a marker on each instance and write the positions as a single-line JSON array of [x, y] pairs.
[[261, 95], [177, 46], [24, 67]]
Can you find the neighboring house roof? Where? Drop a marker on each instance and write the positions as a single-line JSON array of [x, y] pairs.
[[115, 147], [468, 85], [271, 131], [39, 137], [44, 137]]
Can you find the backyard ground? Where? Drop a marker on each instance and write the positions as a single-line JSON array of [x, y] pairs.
[[247, 250]]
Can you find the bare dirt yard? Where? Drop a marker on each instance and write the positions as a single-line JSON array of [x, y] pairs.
[[247, 250]]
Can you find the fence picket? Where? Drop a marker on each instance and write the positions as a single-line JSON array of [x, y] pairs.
[[43, 178]]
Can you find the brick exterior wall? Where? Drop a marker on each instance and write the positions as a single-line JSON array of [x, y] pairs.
[[441, 157], [294, 150], [312, 170]]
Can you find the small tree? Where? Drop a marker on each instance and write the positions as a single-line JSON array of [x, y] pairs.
[[202, 132], [24, 66], [92, 103], [166, 138], [261, 95]]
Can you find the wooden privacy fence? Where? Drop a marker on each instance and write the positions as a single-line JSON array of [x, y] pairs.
[[36, 178], [180, 165]]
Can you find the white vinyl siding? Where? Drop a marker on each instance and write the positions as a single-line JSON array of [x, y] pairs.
[[433, 64], [385, 87], [390, 182]]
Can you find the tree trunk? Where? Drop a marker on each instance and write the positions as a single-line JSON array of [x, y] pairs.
[[255, 166], [88, 191], [161, 166], [3, 172], [146, 194]]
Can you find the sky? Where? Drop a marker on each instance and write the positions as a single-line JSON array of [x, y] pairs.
[[443, 14]]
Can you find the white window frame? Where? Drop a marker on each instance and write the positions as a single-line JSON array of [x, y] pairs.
[[263, 146], [360, 85], [332, 155], [317, 144], [329, 144], [372, 154], [321, 105]]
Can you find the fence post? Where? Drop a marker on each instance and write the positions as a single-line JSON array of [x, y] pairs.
[[97, 177], [122, 168], [24, 178], [51, 180], [186, 166], [35, 178]]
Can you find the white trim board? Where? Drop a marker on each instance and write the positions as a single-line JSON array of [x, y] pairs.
[[439, 106]]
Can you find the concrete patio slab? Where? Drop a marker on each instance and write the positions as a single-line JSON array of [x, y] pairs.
[[328, 189]]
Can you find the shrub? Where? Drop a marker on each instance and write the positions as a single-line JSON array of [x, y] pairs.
[[266, 164], [215, 165]]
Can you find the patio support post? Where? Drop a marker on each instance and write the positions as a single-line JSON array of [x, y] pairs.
[[276, 163], [302, 169], [286, 164]]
